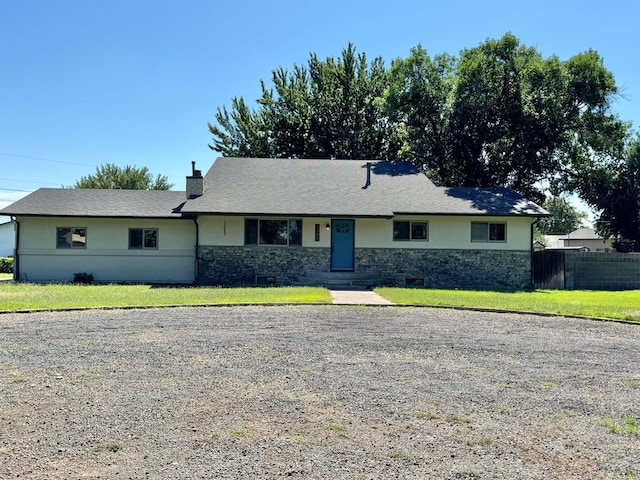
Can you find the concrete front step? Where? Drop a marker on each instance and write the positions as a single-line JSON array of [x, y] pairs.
[[341, 280]]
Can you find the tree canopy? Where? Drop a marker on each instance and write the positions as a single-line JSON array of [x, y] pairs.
[[126, 178], [613, 189], [330, 108], [499, 114], [565, 218]]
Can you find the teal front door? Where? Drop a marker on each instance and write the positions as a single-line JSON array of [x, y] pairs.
[[342, 244]]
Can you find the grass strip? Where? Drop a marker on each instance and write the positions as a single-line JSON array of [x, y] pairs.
[[621, 305], [30, 296]]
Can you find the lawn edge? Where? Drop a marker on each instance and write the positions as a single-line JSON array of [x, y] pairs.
[[289, 304]]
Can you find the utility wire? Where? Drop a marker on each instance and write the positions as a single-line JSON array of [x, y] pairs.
[[14, 190], [26, 181], [46, 159]]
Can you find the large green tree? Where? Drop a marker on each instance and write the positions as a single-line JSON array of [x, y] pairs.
[[565, 218], [614, 190], [328, 108], [126, 178], [499, 114], [502, 115]]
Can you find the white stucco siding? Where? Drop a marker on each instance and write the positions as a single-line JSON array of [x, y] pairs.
[[107, 255], [444, 232], [229, 231], [221, 231], [309, 232]]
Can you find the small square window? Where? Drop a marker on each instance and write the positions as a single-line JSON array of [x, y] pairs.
[[404, 230], [144, 238], [488, 232], [71, 237]]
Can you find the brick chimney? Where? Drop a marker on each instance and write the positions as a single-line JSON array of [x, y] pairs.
[[195, 183]]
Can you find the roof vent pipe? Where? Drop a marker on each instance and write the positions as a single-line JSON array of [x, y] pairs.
[[368, 175]]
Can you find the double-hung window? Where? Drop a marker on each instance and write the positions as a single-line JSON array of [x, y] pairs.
[[488, 232], [404, 230], [71, 237], [143, 238], [273, 232]]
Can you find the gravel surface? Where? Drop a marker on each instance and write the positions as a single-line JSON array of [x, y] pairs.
[[332, 392]]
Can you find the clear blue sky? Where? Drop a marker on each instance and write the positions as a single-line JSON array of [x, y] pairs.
[[85, 83]]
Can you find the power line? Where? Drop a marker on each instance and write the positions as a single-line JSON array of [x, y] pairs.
[[14, 190], [27, 181], [46, 159]]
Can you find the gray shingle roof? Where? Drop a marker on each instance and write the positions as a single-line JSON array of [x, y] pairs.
[[251, 186], [98, 203], [291, 187]]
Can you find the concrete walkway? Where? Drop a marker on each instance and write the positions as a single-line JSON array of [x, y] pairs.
[[358, 297]]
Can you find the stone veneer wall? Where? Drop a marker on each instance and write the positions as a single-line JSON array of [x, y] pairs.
[[487, 269], [437, 268], [241, 265]]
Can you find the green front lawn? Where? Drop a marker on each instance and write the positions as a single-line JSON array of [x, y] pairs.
[[28, 296], [623, 305]]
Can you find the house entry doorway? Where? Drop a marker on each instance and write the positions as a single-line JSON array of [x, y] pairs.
[[342, 244]]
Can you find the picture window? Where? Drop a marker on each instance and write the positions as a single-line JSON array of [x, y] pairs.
[[273, 232]]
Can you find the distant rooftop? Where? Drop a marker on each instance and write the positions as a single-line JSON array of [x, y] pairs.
[[582, 234]]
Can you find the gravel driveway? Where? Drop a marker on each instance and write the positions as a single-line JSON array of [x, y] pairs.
[[335, 392]]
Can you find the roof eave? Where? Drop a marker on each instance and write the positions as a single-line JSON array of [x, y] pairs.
[[176, 216], [290, 214], [473, 214]]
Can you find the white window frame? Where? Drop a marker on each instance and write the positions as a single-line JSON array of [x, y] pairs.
[[411, 239], [488, 239]]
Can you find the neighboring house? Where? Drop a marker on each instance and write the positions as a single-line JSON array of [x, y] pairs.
[[283, 221], [538, 246], [554, 241], [7, 239], [587, 238]]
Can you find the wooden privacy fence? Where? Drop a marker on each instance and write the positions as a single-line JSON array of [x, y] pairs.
[[548, 269], [572, 270]]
